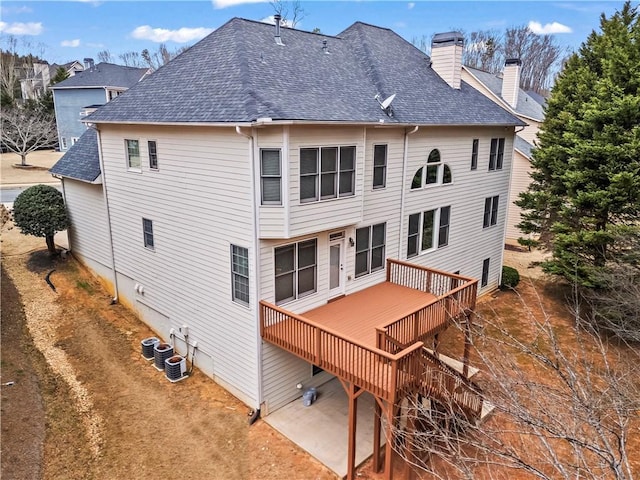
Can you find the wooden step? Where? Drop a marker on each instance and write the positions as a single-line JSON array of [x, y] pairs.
[[455, 364]]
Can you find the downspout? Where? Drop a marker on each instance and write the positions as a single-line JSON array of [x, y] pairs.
[[106, 202], [405, 162], [256, 263]]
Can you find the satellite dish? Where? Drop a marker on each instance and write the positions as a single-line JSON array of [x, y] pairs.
[[387, 102]]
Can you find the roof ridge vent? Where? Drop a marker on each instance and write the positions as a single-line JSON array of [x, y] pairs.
[[276, 20]]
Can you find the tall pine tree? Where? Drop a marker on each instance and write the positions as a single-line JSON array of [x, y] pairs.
[[585, 190]]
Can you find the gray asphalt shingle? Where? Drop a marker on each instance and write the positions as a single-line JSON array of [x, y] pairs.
[[239, 74], [522, 146], [104, 75], [81, 161]]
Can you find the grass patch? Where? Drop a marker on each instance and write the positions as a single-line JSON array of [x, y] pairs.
[[86, 286]]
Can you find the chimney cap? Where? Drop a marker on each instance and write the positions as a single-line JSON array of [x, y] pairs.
[[513, 61], [277, 17], [447, 38]]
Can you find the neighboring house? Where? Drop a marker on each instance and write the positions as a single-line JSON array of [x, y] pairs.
[[529, 107], [267, 190], [80, 95], [38, 78]]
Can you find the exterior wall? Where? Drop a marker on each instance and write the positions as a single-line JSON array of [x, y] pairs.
[[519, 182], [68, 104], [89, 234], [200, 202], [469, 243], [530, 132]]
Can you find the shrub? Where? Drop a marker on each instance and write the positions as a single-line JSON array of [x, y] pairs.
[[510, 278]]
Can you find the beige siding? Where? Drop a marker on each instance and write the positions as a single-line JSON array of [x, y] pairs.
[[200, 201], [89, 233], [530, 132], [520, 180]]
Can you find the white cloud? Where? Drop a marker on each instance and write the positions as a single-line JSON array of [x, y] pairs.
[[555, 27], [19, 28], [160, 35], [410, 5], [95, 45], [233, 3], [70, 43], [15, 10], [270, 20], [400, 25]]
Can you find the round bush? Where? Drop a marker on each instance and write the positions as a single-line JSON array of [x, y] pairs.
[[510, 278]]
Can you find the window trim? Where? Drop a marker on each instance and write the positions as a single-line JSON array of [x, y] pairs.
[[382, 167], [370, 249], [63, 143], [147, 234], [153, 158], [338, 172], [128, 155], [496, 154], [491, 210], [475, 147], [74, 140], [484, 280], [263, 176], [235, 252], [296, 270], [436, 229], [422, 174]]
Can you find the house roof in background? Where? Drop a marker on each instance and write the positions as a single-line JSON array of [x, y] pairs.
[[104, 75], [81, 161], [240, 74], [522, 146], [527, 105]]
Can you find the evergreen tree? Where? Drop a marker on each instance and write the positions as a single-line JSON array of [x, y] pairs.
[[586, 169]]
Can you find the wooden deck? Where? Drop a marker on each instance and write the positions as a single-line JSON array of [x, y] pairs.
[[356, 316]]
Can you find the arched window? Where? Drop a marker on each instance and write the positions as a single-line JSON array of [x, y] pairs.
[[433, 167], [446, 174], [417, 179]]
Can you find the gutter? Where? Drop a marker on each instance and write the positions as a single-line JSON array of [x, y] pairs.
[[255, 255], [405, 162]]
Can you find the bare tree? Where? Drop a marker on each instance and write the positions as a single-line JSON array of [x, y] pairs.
[[565, 399], [484, 50], [132, 59], [105, 56], [292, 12], [161, 56], [26, 128]]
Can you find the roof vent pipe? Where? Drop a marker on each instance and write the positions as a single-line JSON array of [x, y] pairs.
[[276, 19], [325, 49]]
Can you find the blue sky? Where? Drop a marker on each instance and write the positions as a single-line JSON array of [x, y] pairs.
[[73, 30]]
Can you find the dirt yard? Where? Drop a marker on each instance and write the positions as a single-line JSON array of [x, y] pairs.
[[40, 162]]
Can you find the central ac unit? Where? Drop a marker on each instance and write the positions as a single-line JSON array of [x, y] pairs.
[[161, 351], [175, 368], [147, 347]]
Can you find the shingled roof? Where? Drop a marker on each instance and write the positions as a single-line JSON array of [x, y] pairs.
[[103, 75], [240, 74], [81, 162], [527, 105]]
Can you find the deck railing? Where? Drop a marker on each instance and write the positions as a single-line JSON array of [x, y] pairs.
[[372, 369]]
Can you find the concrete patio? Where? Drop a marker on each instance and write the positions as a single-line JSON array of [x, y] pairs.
[[321, 429]]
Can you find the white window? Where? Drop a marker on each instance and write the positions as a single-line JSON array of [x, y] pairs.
[[423, 234], [295, 270], [379, 166], [370, 243], [270, 176], [133, 154], [474, 154], [147, 231], [240, 274], [63, 143], [496, 156], [434, 173], [490, 211], [485, 272], [153, 154], [327, 172]]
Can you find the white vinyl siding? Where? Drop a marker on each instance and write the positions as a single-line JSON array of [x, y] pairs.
[[520, 180], [187, 280]]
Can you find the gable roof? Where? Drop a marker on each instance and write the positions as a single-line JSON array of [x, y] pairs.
[[104, 75], [522, 146], [240, 74], [527, 105], [81, 161]]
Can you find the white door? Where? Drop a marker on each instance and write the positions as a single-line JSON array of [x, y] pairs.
[[336, 264]]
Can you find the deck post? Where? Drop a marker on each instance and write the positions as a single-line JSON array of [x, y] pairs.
[[353, 415], [376, 436], [467, 344]]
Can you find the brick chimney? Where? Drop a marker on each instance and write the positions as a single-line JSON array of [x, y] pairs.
[[446, 57], [511, 81]]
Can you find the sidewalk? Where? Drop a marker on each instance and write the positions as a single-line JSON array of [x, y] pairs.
[[42, 161]]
